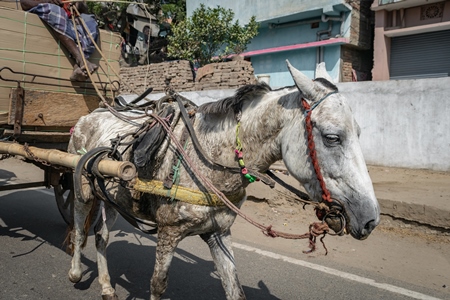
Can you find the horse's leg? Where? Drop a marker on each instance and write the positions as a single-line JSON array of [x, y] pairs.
[[78, 237], [222, 254], [168, 239], [102, 228]]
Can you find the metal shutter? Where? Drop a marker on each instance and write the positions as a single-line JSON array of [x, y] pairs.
[[420, 55]]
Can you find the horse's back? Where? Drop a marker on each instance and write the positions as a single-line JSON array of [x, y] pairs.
[[97, 129]]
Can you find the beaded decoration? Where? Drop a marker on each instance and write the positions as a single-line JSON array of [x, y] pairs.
[[240, 157]]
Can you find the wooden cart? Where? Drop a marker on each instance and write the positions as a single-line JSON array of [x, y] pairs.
[[38, 104], [39, 123]]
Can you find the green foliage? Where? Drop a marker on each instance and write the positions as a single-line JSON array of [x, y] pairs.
[[208, 33]]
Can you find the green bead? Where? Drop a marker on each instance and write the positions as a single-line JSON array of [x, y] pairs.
[[250, 178]]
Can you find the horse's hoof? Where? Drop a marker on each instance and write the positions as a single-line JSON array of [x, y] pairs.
[[73, 277], [110, 297]]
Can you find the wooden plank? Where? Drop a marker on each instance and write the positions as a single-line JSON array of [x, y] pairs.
[[42, 108], [33, 137]]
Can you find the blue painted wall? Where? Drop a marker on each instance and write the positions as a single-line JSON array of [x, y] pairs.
[[269, 12], [274, 64]]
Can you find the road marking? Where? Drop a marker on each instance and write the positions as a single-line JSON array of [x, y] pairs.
[[345, 275]]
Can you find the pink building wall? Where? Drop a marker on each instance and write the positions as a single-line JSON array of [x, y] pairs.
[[399, 19]]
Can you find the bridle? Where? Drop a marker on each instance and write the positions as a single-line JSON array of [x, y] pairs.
[[329, 210], [326, 196]]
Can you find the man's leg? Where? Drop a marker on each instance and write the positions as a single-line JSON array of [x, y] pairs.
[[80, 70]]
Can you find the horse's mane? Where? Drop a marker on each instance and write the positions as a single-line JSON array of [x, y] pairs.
[[235, 102], [326, 83]]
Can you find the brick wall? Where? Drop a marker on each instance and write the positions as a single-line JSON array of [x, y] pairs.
[[225, 75], [362, 20], [357, 57], [356, 63]]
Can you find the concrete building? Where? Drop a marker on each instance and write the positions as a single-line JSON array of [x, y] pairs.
[[338, 32], [412, 39]]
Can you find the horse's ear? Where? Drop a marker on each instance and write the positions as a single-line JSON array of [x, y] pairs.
[[321, 72], [303, 83]]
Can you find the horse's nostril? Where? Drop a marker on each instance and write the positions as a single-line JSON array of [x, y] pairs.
[[368, 228], [370, 225]]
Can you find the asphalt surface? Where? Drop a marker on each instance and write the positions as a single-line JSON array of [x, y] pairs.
[[34, 264]]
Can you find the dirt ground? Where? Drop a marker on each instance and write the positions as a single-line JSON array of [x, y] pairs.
[[403, 250]]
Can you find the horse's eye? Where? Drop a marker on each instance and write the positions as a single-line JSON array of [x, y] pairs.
[[332, 139]]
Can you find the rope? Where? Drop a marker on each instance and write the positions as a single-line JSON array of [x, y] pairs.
[[107, 105], [98, 49], [24, 45]]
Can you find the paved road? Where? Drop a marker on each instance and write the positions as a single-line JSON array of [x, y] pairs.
[[34, 265]]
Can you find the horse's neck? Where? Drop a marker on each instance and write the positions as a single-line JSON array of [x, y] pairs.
[[262, 128], [261, 123]]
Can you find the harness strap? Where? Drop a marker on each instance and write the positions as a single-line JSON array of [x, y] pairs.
[[169, 180], [264, 178], [303, 196], [308, 110]]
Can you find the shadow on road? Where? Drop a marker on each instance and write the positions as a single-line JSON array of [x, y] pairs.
[[30, 215], [6, 176]]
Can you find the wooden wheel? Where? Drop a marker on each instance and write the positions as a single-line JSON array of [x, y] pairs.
[[64, 196]]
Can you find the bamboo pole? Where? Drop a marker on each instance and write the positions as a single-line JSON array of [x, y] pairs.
[[122, 169]]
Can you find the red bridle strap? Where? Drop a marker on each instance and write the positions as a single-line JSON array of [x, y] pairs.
[[312, 150]]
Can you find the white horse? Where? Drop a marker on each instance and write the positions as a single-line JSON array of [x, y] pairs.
[[272, 127]]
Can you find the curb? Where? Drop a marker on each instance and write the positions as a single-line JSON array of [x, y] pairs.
[[419, 213]]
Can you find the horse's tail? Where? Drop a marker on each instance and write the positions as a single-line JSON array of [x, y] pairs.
[[93, 212]]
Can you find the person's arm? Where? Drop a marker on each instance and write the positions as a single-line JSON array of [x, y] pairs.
[[29, 4]]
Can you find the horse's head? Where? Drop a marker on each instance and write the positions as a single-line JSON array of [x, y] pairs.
[[336, 136]]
